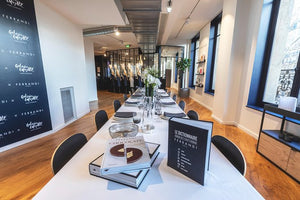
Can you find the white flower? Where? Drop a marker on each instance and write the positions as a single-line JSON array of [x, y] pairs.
[[152, 80]]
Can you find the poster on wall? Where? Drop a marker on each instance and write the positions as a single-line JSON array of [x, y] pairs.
[[24, 109]]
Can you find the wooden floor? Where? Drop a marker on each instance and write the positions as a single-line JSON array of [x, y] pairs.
[[26, 169]]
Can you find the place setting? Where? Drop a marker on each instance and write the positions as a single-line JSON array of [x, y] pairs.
[[167, 102]]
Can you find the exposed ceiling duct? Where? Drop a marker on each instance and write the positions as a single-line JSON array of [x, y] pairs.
[[106, 30], [162, 25], [143, 16]]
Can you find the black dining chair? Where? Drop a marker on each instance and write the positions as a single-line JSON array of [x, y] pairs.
[[66, 150], [117, 105], [125, 97], [181, 104], [100, 118], [192, 114], [231, 152], [174, 97]]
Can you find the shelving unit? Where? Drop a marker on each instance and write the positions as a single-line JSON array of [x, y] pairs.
[[279, 146], [200, 84], [202, 61]]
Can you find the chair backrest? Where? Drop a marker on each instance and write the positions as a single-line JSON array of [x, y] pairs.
[[231, 152], [192, 115], [174, 97], [169, 93], [125, 97], [117, 104], [66, 150], [100, 118], [181, 104]]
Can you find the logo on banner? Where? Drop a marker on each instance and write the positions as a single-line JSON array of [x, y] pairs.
[[15, 3], [18, 36], [3, 119], [30, 98], [24, 69], [34, 125]]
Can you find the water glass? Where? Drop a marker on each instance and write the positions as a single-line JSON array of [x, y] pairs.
[[158, 108]]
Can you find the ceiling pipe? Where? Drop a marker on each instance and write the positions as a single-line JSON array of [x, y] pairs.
[[106, 30]]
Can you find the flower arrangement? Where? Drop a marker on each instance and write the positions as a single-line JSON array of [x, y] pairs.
[[151, 80], [151, 77]]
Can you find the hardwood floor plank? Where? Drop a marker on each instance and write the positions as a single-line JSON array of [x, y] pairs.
[[26, 169]]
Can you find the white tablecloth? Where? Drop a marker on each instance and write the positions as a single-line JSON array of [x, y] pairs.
[[73, 181]]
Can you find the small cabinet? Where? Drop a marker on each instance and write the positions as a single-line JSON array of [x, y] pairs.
[[278, 146], [293, 167], [277, 152]]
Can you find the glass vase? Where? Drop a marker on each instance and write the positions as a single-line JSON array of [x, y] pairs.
[[147, 119], [149, 91]]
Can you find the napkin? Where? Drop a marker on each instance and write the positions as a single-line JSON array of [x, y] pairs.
[[132, 102], [125, 114], [136, 95], [164, 97], [168, 102], [168, 114]]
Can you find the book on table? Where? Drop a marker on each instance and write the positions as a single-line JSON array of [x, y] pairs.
[[124, 154], [132, 178], [189, 147]]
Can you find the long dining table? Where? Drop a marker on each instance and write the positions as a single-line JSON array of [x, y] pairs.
[[73, 181]]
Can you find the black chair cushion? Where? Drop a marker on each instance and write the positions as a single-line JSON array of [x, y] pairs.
[[66, 150], [100, 119], [231, 152], [192, 115], [117, 105]]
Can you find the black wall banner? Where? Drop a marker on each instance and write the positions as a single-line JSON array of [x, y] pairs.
[[24, 109]]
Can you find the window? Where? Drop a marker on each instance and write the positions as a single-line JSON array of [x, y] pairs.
[[194, 59], [214, 38], [276, 70]]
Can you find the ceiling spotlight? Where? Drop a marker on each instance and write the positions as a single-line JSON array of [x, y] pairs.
[[187, 20], [169, 6], [117, 31]]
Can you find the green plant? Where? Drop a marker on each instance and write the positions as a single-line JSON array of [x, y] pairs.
[[183, 64]]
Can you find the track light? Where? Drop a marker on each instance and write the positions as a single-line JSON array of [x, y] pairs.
[[187, 20], [169, 6]]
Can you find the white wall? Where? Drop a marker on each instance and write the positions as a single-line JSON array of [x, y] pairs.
[[63, 58], [224, 76], [198, 94], [90, 69]]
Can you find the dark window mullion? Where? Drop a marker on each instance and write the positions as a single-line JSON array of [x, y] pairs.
[[296, 82], [213, 56], [268, 51]]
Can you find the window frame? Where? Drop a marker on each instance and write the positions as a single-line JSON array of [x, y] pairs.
[[193, 61], [261, 63], [212, 51]]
